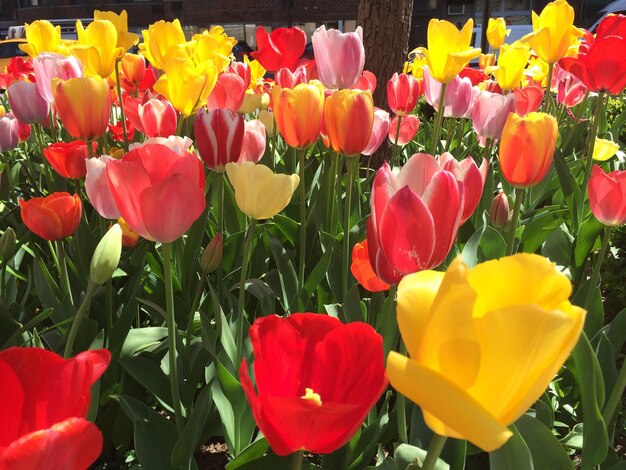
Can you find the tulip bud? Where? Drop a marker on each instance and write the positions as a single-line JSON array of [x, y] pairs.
[[107, 256], [212, 255], [7, 244], [499, 212]]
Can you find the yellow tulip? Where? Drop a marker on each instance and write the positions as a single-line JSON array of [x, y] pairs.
[[497, 32], [449, 50], [299, 112], [251, 102], [537, 71], [604, 149], [416, 63], [267, 118], [214, 45], [553, 31], [160, 42], [511, 64], [125, 40], [260, 193], [41, 37], [484, 343], [257, 72], [97, 47], [186, 85]]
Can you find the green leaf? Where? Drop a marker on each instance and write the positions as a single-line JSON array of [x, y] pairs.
[[616, 330], [286, 273], [250, 454], [370, 437], [514, 455], [154, 435], [539, 228], [139, 339], [547, 452], [148, 373], [409, 457], [585, 239]]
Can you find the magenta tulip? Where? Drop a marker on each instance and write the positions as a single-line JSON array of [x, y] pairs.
[[403, 92], [490, 113], [415, 216], [228, 93], [219, 137], [9, 127], [340, 56], [49, 65], [158, 192], [379, 131], [254, 140], [27, 104], [409, 125]]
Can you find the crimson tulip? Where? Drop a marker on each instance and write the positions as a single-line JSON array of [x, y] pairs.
[[361, 269], [415, 215], [280, 48], [316, 380], [45, 400], [219, 137], [228, 92], [158, 192], [340, 57], [68, 160], [18, 69], [607, 196], [403, 92], [409, 125], [53, 217]]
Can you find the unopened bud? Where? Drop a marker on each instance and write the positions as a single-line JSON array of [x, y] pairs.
[[7, 244], [267, 118], [107, 256], [212, 256], [499, 213]]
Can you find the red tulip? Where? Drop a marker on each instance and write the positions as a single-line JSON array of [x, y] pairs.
[[570, 89], [528, 99], [473, 178], [361, 269], [117, 131], [612, 25], [415, 216], [158, 192], [23, 132], [44, 402], [409, 125], [316, 378], [280, 48], [68, 160], [476, 76], [53, 217], [18, 69], [155, 117], [367, 81], [242, 69], [219, 137], [403, 92], [607, 196], [228, 92]]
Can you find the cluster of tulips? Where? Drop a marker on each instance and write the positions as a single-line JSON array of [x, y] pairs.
[[184, 198]]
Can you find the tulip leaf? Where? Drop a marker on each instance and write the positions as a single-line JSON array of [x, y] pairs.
[[616, 330], [547, 452], [286, 273], [148, 373], [586, 239], [274, 462], [139, 339], [590, 298], [154, 435], [407, 457], [514, 455], [539, 229], [252, 453], [558, 247]]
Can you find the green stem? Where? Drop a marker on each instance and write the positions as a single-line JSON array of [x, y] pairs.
[[438, 120], [194, 308], [297, 459], [510, 242], [591, 144], [548, 101], [434, 451], [84, 306], [572, 131], [179, 124], [595, 275], [331, 202], [302, 189], [119, 97], [615, 398], [90, 153], [171, 335], [220, 228], [352, 165], [53, 127], [401, 407], [396, 148], [242, 288], [64, 278]]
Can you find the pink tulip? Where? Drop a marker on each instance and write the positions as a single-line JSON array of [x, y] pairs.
[[415, 216], [254, 140], [228, 92], [367, 81], [155, 117], [158, 192], [473, 179], [528, 99], [340, 56], [490, 113], [9, 128], [570, 89], [403, 92], [175, 143], [379, 131], [97, 187], [219, 137], [242, 69], [607, 196], [49, 65], [409, 125], [27, 104], [457, 97], [285, 78]]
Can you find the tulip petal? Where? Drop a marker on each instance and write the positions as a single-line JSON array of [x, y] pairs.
[[12, 399], [447, 402], [418, 172]]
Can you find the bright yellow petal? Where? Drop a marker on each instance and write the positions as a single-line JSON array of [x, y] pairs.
[[604, 149]]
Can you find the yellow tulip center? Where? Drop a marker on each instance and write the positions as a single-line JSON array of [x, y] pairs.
[[312, 396]]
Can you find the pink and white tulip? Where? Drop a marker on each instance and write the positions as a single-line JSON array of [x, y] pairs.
[[254, 140], [49, 65], [380, 128], [340, 57]]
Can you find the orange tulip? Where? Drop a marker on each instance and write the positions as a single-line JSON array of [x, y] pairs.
[[133, 68], [362, 270], [53, 217], [527, 148], [83, 105], [349, 117], [298, 113]]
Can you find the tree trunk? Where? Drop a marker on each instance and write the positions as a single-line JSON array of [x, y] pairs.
[[386, 27]]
